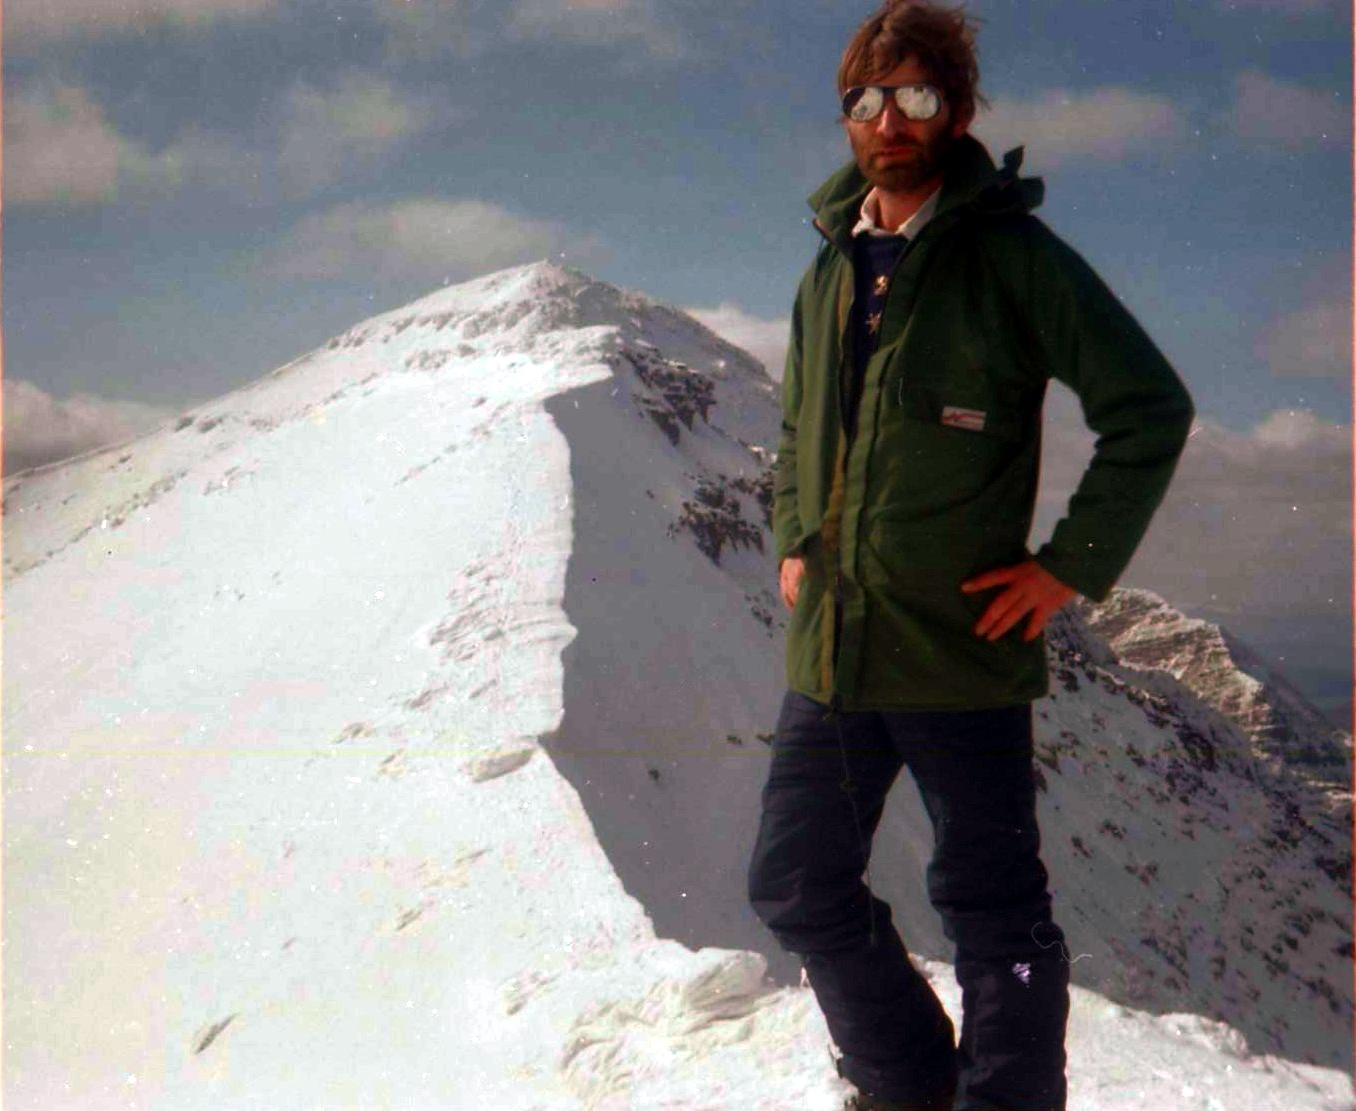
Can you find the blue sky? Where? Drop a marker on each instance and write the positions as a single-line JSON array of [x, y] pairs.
[[198, 191]]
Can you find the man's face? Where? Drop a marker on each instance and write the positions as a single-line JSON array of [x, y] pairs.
[[900, 155]]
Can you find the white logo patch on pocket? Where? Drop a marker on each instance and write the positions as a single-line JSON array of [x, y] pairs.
[[972, 419]]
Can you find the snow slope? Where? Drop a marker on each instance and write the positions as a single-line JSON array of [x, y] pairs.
[[388, 733]]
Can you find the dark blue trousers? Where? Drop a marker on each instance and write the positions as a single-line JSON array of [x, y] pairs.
[[821, 804]]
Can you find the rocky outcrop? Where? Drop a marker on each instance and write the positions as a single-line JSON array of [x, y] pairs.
[[1144, 632]]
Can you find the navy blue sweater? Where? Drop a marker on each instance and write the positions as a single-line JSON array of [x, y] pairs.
[[873, 261]]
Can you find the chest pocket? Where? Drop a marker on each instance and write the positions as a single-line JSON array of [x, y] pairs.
[[963, 410]]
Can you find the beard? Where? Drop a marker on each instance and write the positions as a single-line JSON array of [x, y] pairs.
[[921, 163]]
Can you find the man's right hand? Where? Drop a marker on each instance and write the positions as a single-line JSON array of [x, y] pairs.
[[793, 570]]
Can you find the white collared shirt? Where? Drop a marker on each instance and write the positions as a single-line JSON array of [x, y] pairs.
[[870, 212]]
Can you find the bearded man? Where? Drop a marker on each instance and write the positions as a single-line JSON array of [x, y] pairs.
[[923, 337]]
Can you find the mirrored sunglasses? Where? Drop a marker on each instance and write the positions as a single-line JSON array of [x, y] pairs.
[[916, 102]]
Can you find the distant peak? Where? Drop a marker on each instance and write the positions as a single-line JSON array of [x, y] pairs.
[[522, 307], [514, 283], [1143, 631], [543, 273], [554, 272]]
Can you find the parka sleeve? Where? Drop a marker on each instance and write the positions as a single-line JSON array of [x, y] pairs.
[[786, 526], [1131, 398]]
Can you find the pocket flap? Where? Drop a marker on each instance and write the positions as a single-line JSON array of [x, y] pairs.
[[965, 411]]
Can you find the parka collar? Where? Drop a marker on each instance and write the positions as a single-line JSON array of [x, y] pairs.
[[971, 183]]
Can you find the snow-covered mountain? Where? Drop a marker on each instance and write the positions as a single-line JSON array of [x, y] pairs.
[[1145, 632], [389, 733]]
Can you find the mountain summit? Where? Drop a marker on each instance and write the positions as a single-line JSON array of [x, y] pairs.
[[389, 732]]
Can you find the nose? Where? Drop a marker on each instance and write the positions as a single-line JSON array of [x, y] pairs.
[[892, 121]]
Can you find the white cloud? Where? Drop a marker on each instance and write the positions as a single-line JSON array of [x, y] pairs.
[[598, 22], [764, 339], [423, 238], [1104, 125], [1254, 523], [1310, 333], [429, 28], [45, 20], [39, 428], [1287, 113], [1314, 340], [60, 148], [324, 131], [200, 158]]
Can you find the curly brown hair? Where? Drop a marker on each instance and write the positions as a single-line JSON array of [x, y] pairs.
[[943, 40]]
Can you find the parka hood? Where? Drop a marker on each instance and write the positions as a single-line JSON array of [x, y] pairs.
[[971, 181]]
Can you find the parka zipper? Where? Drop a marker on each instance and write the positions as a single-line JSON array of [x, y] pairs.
[[848, 437]]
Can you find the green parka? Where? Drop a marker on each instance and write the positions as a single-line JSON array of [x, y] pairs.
[[939, 480]]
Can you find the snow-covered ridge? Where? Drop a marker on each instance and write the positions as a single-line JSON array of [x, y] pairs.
[[551, 326], [540, 309]]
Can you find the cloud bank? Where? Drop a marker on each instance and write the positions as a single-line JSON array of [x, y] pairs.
[[39, 428], [1059, 126], [764, 339], [1269, 110], [42, 21], [1312, 341], [325, 132], [432, 28], [59, 148], [426, 238], [1255, 522], [1112, 123]]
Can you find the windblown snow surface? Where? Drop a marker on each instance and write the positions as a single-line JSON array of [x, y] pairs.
[[388, 733]]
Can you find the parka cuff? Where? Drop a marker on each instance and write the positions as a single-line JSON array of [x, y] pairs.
[[1093, 587]]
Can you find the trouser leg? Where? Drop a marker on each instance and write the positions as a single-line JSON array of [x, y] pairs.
[[987, 881], [805, 884]]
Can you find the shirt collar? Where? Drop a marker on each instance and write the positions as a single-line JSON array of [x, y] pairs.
[[870, 211]]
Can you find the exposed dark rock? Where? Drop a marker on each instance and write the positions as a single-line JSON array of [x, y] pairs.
[[676, 392], [715, 518], [761, 490]]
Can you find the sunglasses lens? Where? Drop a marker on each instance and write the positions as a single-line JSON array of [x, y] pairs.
[[918, 102], [863, 103]]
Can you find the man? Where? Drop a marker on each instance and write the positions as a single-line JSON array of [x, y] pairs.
[[923, 337]]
